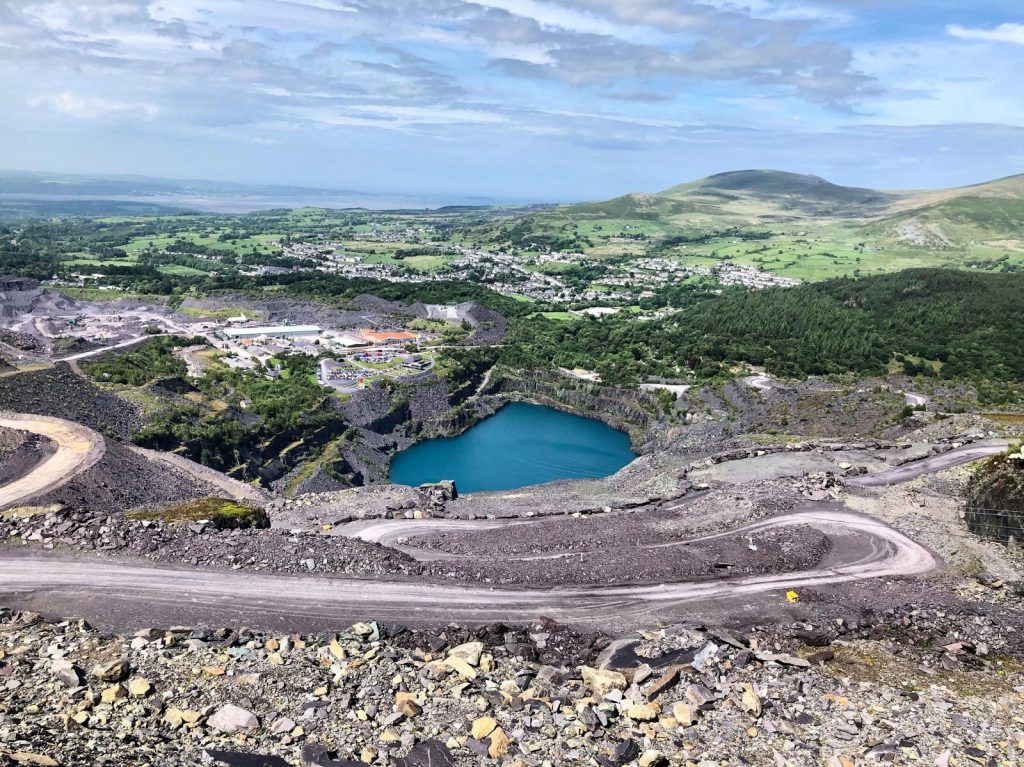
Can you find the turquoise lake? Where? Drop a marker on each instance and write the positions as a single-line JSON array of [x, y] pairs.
[[520, 445]]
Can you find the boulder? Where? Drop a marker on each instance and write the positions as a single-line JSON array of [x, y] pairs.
[[231, 718], [112, 671]]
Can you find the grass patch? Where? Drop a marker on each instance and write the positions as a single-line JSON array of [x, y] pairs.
[[222, 513], [558, 316]]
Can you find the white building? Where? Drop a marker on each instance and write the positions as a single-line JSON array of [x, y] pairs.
[[272, 331]]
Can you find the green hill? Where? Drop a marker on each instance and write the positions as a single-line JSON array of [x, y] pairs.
[[796, 225]]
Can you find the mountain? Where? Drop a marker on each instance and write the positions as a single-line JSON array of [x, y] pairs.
[[744, 198], [748, 197], [799, 226]]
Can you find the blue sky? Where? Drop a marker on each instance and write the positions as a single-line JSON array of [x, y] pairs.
[[514, 99]]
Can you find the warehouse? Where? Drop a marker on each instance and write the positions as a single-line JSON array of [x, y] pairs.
[[272, 331]]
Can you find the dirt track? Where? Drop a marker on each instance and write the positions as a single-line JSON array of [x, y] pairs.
[[232, 487], [126, 595], [78, 449], [934, 463], [132, 595]]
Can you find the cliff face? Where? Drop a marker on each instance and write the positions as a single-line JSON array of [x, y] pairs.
[[388, 417], [637, 413], [995, 498]]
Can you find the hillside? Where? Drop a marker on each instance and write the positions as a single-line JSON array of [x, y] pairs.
[[802, 226], [990, 213], [943, 323]]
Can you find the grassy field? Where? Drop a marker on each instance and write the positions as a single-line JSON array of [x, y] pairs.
[[180, 271], [558, 316]]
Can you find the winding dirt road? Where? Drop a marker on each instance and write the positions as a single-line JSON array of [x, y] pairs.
[[78, 449], [143, 595], [125, 595]]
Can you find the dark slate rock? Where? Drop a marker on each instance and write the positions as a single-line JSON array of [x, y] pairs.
[[429, 753]]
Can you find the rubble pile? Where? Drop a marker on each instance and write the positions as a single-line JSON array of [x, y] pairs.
[[202, 544], [819, 486], [860, 690]]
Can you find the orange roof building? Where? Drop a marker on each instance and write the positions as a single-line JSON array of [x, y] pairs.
[[388, 336]]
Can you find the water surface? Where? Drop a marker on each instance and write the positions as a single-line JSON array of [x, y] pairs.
[[520, 445]]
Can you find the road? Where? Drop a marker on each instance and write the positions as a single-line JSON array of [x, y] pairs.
[[915, 469], [126, 595], [122, 595], [233, 487], [78, 448], [94, 352], [761, 383]]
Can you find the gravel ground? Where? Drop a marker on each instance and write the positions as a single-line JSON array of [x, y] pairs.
[[911, 687], [787, 550], [114, 535], [122, 480]]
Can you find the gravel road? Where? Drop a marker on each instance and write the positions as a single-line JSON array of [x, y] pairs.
[[129, 595], [78, 449], [915, 469]]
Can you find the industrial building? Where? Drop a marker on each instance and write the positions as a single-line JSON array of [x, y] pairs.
[[272, 331]]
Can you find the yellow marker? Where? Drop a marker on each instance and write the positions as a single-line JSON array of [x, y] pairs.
[[792, 596], [328, 528]]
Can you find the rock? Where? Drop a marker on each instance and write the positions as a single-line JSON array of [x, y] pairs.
[[652, 758], [114, 693], [27, 757], [624, 752], [409, 709], [282, 725], [700, 696], [177, 717], [666, 681], [469, 652], [139, 687], [602, 681], [783, 658], [67, 673], [429, 753], [460, 666], [315, 755], [231, 718], [645, 712], [239, 759], [499, 744], [114, 671], [483, 727], [405, 704], [750, 702], [684, 714]]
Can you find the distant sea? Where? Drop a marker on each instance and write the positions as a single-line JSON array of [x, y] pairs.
[[246, 204]]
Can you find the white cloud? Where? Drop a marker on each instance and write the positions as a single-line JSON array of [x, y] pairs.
[[88, 108], [1004, 33]]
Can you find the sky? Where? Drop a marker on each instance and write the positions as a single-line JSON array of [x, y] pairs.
[[527, 100]]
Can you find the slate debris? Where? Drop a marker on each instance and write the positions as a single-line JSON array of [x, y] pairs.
[[263, 550], [240, 698]]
